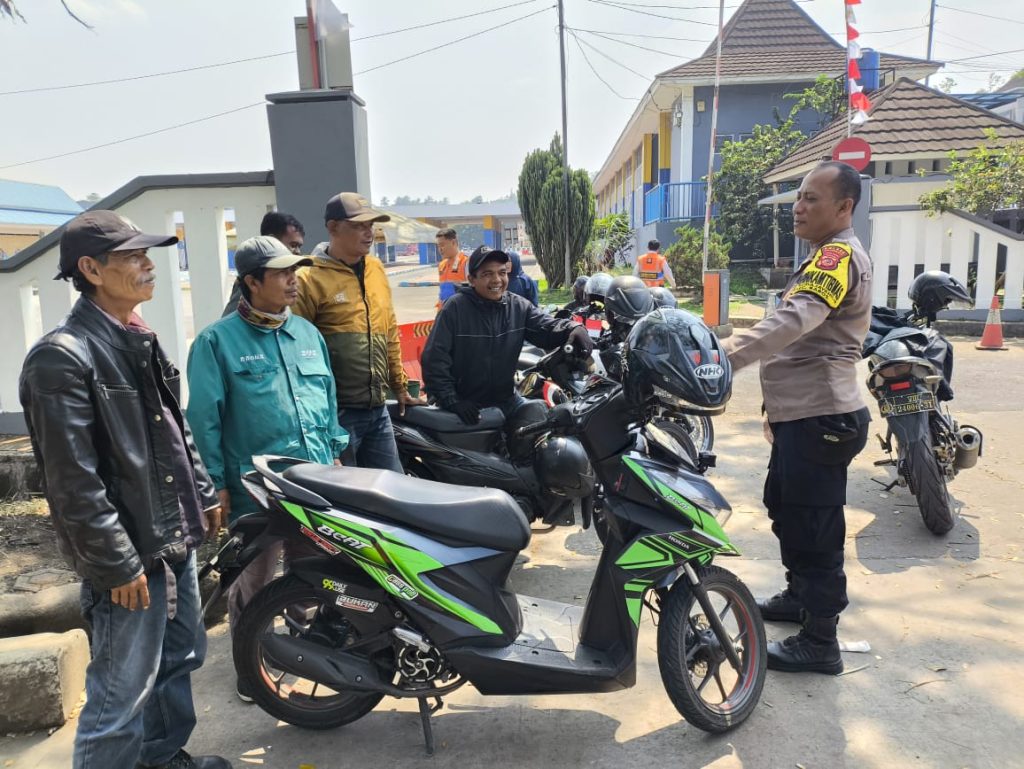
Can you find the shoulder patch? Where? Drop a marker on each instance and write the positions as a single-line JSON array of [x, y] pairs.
[[828, 274]]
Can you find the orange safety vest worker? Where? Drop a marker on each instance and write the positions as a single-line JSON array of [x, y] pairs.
[[451, 273], [652, 268]]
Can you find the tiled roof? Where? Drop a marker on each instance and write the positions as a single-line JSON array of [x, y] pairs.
[[907, 119], [776, 37]]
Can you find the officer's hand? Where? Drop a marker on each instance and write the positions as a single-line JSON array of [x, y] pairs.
[[132, 595], [580, 339], [467, 411], [768, 435], [404, 399]]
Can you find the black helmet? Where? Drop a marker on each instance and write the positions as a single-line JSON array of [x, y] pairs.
[[933, 291], [664, 298], [671, 357], [597, 286], [579, 289], [627, 300], [562, 467]]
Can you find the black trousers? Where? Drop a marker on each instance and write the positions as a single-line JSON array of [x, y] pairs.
[[805, 492]]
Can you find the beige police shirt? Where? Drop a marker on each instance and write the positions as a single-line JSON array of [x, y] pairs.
[[810, 347]]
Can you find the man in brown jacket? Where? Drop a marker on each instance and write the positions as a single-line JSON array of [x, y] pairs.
[[816, 419]]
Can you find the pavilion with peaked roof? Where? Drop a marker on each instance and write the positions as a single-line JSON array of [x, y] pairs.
[[912, 128], [655, 170]]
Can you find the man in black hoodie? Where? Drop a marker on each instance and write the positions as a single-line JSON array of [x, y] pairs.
[[470, 359]]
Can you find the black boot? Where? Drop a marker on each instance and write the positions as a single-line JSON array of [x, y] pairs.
[[814, 649], [182, 760], [781, 607]]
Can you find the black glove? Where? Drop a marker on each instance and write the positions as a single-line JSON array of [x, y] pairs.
[[582, 344], [467, 411]]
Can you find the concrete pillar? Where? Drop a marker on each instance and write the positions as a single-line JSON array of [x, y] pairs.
[[55, 300], [13, 342], [907, 251], [207, 263], [320, 147], [988, 246]]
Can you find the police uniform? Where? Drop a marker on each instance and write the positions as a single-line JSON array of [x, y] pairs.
[[809, 351]]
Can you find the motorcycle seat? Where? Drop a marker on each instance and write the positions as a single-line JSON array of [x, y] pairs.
[[438, 420], [485, 517]]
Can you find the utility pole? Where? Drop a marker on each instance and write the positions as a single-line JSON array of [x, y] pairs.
[[931, 32], [711, 149], [565, 140]]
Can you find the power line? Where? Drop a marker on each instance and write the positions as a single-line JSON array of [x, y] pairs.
[[983, 56], [978, 13], [634, 34], [634, 45], [615, 61], [144, 77], [673, 7], [442, 21], [133, 138], [255, 58], [594, 70], [648, 13], [457, 40]]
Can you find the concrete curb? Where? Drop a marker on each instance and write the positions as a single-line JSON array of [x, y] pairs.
[[44, 676], [54, 610]]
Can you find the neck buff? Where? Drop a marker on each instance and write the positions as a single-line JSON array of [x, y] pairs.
[[258, 318]]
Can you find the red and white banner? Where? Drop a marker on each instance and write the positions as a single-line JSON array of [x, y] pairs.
[[859, 102]]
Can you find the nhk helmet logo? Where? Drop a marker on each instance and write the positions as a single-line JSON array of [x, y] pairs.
[[709, 371]]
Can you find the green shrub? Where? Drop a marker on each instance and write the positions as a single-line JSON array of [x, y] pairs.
[[686, 256]]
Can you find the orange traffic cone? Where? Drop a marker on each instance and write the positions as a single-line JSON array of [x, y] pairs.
[[992, 336]]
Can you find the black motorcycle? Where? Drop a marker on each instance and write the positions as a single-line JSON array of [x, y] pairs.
[[410, 598], [550, 477], [911, 372]]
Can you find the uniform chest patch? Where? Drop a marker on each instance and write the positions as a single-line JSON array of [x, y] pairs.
[[340, 298]]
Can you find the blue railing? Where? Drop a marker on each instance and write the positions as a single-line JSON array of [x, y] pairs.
[[679, 200]]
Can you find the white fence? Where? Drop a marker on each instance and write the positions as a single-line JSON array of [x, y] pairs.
[[38, 303], [904, 238]]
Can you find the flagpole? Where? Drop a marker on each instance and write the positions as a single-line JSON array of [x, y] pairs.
[[849, 83], [711, 149]]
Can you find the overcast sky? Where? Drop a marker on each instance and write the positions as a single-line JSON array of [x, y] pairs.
[[455, 122]]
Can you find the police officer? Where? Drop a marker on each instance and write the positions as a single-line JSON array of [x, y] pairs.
[[816, 419]]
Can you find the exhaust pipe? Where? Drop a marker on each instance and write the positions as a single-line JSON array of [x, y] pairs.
[[968, 447], [337, 669]]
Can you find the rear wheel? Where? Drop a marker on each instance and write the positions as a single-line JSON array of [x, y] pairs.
[[927, 481], [699, 679], [289, 606]]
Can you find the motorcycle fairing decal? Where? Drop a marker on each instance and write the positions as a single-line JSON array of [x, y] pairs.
[[635, 590], [395, 566], [703, 520], [828, 275], [657, 551]]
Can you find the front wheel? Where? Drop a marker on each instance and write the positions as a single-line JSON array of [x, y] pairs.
[[699, 430], [290, 606], [928, 483], [699, 679]]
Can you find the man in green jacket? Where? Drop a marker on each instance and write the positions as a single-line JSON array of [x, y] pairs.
[[260, 382]]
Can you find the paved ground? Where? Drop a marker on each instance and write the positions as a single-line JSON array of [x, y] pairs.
[[939, 690]]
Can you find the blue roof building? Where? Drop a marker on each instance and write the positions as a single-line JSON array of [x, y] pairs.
[[29, 211]]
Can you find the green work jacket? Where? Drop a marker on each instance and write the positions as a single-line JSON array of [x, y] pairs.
[[260, 391]]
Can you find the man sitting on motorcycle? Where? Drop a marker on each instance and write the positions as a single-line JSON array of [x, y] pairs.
[[469, 361]]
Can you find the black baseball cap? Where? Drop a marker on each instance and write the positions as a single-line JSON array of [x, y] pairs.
[[266, 251], [486, 254], [97, 232], [353, 207]]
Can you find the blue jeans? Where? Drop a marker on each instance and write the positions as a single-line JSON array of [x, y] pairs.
[[371, 439], [138, 686]]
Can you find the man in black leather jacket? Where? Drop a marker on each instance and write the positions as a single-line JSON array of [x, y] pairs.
[[469, 361], [129, 497]]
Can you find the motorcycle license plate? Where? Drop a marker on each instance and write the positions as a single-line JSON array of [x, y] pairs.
[[911, 403]]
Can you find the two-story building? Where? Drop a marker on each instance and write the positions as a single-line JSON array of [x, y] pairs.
[[656, 170]]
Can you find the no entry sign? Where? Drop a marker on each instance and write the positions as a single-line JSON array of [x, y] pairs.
[[854, 152]]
